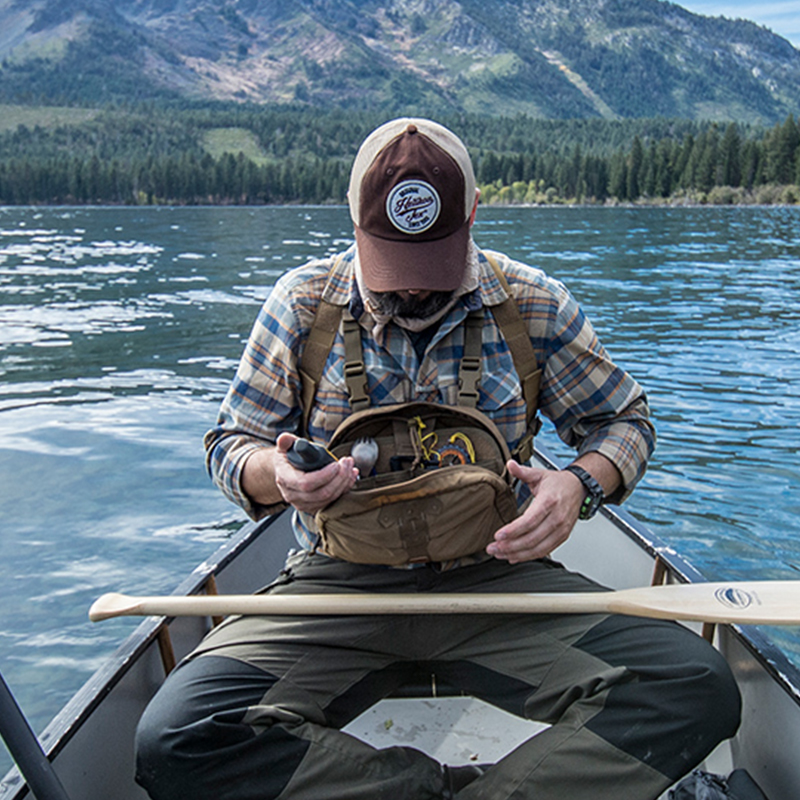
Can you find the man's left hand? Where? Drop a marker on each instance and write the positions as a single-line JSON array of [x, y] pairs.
[[548, 520]]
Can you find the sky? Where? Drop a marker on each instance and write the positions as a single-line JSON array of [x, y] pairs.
[[780, 16]]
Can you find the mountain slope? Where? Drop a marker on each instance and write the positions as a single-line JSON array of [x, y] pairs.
[[553, 58]]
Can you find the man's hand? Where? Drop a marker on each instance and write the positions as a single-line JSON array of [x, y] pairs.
[[311, 491], [269, 477], [546, 522], [549, 519]]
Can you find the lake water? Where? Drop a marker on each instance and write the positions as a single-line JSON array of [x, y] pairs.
[[121, 328]]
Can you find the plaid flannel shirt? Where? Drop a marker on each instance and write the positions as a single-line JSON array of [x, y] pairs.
[[594, 405]]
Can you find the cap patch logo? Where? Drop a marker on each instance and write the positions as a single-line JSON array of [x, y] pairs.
[[413, 206]]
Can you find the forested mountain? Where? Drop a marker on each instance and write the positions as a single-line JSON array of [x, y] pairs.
[[545, 58]]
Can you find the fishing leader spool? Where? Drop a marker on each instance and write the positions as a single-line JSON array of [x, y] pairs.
[[457, 451]]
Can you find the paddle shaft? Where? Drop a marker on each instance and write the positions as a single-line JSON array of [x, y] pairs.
[[750, 603]]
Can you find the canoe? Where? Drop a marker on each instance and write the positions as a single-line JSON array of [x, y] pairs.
[[90, 742]]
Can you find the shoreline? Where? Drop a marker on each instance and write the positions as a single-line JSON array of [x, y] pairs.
[[770, 196]]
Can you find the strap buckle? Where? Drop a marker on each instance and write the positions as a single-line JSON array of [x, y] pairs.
[[469, 376]]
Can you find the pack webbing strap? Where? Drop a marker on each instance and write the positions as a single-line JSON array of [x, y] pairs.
[[469, 370], [355, 373]]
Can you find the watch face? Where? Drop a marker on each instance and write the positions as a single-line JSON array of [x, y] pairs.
[[590, 506]]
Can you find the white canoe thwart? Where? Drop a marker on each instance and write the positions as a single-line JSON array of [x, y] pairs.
[[744, 603]]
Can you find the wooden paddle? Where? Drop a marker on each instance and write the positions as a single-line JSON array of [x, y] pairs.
[[746, 603]]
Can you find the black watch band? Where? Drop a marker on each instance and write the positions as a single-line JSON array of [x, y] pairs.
[[594, 491]]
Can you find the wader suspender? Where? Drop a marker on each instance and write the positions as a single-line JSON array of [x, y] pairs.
[[326, 324]]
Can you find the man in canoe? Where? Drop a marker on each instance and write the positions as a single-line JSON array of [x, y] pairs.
[[421, 350]]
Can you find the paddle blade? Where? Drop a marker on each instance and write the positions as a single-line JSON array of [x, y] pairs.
[[741, 602]]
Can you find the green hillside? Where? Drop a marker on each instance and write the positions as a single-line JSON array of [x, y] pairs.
[[11, 117]]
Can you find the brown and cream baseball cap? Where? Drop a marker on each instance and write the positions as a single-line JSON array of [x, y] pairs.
[[412, 191]]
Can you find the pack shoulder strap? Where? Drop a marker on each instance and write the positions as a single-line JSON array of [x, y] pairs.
[[518, 339], [315, 354]]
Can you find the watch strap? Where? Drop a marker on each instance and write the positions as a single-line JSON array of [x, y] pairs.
[[594, 491]]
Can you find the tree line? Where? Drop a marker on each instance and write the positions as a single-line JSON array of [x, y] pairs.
[[186, 179], [151, 157], [714, 165]]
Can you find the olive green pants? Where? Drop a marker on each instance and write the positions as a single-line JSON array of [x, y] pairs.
[[256, 711]]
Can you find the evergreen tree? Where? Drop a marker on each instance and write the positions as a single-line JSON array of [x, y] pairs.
[[665, 167], [683, 174], [705, 176], [649, 170], [730, 157], [751, 164], [781, 149], [618, 176], [634, 176]]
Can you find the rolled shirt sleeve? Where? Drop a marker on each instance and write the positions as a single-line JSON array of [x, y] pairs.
[[261, 401]]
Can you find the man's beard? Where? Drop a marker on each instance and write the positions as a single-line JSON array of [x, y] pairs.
[[393, 305]]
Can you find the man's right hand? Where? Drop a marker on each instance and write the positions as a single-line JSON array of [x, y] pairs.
[[306, 491]]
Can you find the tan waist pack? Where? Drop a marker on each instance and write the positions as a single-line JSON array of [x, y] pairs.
[[439, 489]]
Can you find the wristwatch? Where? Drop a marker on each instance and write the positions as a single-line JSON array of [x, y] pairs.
[[594, 491]]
